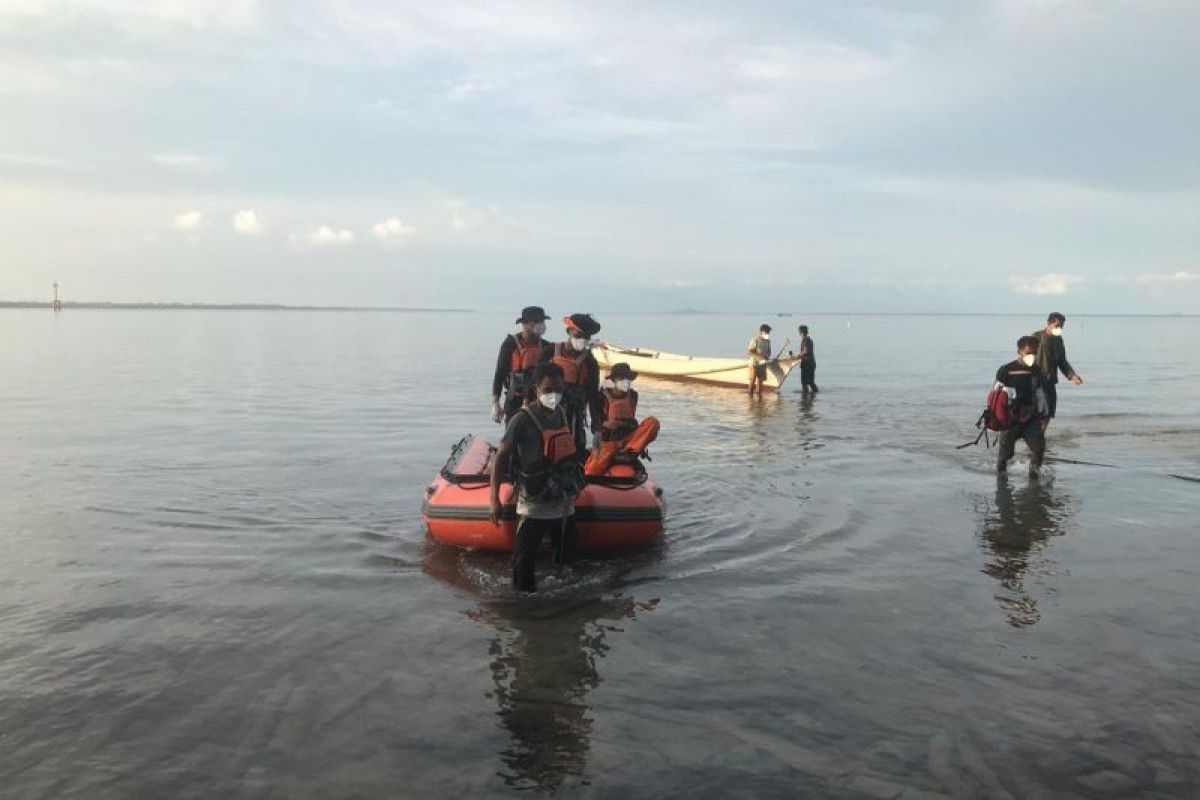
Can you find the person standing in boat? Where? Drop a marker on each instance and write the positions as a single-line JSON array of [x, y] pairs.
[[620, 429], [808, 362], [519, 353], [546, 465], [759, 350], [581, 375]]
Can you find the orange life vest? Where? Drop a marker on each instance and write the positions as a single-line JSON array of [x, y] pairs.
[[575, 368], [524, 356], [558, 442], [619, 409]]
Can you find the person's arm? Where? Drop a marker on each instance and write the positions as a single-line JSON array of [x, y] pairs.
[[592, 390], [503, 456], [547, 354], [1064, 365], [503, 362], [752, 349]]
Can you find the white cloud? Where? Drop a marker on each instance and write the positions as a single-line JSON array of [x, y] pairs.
[[458, 215], [32, 160], [1171, 277], [192, 162], [142, 18], [247, 222], [1050, 283], [326, 235], [189, 221], [393, 229]]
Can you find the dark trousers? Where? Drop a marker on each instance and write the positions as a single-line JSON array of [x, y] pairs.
[[1031, 432], [530, 531], [808, 371]]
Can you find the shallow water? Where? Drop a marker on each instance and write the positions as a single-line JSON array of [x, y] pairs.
[[215, 580]]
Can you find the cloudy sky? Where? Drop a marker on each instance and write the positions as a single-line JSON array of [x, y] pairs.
[[936, 155]]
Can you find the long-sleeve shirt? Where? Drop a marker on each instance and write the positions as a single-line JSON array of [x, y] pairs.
[[1052, 357], [808, 354], [1024, 380], [504, 362]]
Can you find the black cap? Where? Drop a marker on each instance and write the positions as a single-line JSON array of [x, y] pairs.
[[620, 371], [533, 314], [766, 328], [583, 322]]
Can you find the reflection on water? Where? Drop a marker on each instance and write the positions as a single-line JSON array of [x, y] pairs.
[[544, 660], [1016, 530]]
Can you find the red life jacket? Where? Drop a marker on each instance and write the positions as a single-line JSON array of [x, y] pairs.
[[524, 356], [619, 409], [558, 442], [998, 416], [575, 368]]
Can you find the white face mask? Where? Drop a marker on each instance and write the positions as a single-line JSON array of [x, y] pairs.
[[579, 344], [622, 385], [764, 336], [550, 399], [1028, 359], [1056, 331], [540, 328]]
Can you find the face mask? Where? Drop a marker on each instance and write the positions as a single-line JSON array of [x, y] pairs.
[[1028, 359], [622, 385], [764, 336], [550, 399], [1056, 331], [579, 344], [540, 328]]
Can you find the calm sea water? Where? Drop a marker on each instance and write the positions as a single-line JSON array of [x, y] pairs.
[[215, 582]]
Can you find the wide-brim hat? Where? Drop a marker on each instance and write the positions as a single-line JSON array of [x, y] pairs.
[[583, 322], [621, 370], [533, 314]]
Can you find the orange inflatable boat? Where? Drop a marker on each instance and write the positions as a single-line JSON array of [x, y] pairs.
[[621, 509]]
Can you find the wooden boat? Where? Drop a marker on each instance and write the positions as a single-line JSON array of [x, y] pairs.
[[718, 371]]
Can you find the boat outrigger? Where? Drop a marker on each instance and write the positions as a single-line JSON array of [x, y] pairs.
[[619, 510], [670, 366]]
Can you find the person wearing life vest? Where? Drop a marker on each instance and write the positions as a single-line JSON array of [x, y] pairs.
[[581, 375], [1021, 376], [759, 350], [1052, 359], [619, 430], [546, 465], [519, 353]]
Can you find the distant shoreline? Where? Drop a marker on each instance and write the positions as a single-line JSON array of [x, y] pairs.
[[216, 307], [24, 304]]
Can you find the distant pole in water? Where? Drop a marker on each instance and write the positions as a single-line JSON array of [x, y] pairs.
[[57, 302]]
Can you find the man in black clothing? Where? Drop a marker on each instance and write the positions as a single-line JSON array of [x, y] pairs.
[[1052, 359], [1021, 380], [519, 354], [547, 471], [808, 362]]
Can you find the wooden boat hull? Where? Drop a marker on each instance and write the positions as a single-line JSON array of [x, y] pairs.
[[731, 372]]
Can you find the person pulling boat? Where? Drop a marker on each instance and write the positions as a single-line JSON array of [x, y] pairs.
[[546, 465], [759, 350]]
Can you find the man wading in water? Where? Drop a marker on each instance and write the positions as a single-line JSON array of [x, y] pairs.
[[808, 362], [547, 470], [1051, 359], [1021, 379], [759, 350]]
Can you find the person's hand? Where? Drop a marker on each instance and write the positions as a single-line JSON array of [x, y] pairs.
[[494, 511], [495, 410], [1075, 379]]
